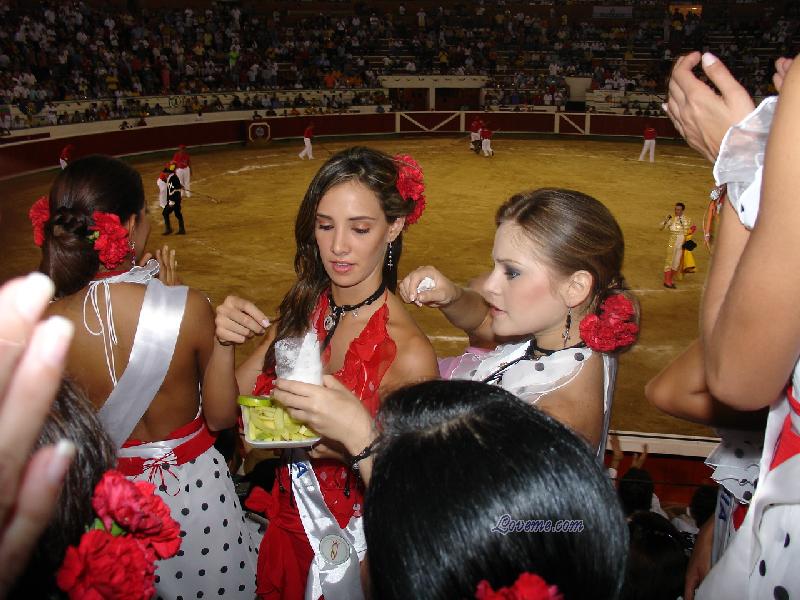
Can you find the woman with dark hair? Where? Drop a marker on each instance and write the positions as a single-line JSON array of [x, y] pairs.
[[71, 418], [155, 341], [657, 559], [349, 241], [534, 500], [557, 288]]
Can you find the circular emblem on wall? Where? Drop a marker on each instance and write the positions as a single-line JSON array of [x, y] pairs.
[[334, 549], [260, 132]]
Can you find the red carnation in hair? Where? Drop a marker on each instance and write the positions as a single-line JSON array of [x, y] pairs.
[[613, 328], [39, 214], [106, 566], [111, 242], [411, 186], [527, 587], [134, 507]]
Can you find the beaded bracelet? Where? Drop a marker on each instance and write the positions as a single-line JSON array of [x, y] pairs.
[[365, 453]]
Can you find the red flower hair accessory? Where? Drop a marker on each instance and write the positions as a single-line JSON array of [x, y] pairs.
[[39, 214], [613, 328], [115, 558], [110, 239], [411, 186], [527, 587]]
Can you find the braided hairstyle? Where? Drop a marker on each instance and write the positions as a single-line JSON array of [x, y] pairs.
[[571, 232], [93, 183]]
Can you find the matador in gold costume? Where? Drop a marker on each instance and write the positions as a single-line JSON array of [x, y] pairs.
[[679, 227]]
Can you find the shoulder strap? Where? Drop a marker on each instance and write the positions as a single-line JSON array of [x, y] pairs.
[[151, 354]]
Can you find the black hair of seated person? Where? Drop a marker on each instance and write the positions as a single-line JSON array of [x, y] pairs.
[[635, 490], [704, 503], [452, 458], [657, 560], [71, 417]]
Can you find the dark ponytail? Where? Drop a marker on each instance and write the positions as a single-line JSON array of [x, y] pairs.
[[94, 183]]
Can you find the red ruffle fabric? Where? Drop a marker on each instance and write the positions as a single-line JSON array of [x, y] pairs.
[[285, 555]]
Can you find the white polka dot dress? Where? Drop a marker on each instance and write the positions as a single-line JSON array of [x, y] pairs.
[[530, 380], [762, 560], [217, 558]]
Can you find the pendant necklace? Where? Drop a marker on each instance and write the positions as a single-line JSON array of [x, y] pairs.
[[337, 312]]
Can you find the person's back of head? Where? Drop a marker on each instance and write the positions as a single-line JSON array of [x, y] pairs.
[[458, 465], [635, 490], [88, 185], [657, 559], [703, 504]]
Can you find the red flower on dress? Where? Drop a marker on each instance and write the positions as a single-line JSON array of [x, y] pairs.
[[135, 508], [411, 186], [106, 566], [39, 214], [613, 328], [527, 587], [111, 239]]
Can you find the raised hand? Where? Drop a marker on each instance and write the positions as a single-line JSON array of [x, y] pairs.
[[237, 320], [444, 291], [700, 114], [32, 357], [168, 266]]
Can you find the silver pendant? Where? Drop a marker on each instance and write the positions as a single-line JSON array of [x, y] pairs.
[[329, 322], [355, 313]]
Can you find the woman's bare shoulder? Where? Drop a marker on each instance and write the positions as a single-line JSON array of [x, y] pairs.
[[415, 353]]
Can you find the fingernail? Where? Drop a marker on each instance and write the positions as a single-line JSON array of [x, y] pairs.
[[709, 59], [52, 340], [33, 295], [62, 456], [664, 107], [265, 323]]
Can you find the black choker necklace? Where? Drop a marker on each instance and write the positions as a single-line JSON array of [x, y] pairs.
[[532, 352], [337, 312]]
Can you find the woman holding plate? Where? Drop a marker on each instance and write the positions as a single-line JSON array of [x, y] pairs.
[[349, 240]]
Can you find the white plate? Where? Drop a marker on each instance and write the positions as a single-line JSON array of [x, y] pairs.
[[275, 445]]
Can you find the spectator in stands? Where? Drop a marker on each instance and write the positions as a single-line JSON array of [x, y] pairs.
[[656, 561]]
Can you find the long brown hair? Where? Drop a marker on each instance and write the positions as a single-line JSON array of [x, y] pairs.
[[377, 172], [572, 232], [93, 183]]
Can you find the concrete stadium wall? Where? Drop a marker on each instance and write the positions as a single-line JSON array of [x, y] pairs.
[[38, 149]]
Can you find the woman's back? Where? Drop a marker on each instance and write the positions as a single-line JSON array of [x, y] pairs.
[[177, 401]]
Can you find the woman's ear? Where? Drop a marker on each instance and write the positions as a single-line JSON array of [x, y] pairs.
[[577, 288], [396, 228]]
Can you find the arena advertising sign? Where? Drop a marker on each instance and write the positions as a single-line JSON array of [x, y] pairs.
[[612, 12]]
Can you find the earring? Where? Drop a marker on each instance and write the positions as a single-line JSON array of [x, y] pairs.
[[132, 244], [389, 262], [567, 326]]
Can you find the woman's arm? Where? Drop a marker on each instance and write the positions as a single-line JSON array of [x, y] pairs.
[[238, 320], [754, 343], [680, 390], [218, 386], [465, 308]]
